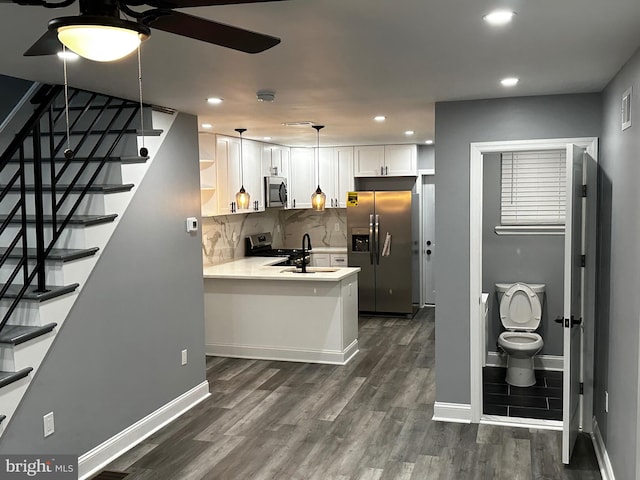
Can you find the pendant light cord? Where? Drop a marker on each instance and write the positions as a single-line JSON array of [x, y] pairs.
[[66, 95], [241, 131], [318, 128], [140, 94]]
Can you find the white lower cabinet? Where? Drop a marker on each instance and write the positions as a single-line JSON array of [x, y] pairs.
[[338, 260], [320, 260]]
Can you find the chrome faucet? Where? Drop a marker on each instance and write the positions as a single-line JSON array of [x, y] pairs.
[[304, 255]]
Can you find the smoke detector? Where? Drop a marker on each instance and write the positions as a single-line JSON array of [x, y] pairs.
[[266, 95]]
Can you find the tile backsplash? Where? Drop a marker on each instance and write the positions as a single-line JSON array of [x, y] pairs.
[[223, 236]]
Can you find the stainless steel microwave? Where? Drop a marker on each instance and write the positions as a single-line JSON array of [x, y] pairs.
[[275, 189]]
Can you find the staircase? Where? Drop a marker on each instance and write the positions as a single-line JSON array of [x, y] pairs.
[[56, 214]]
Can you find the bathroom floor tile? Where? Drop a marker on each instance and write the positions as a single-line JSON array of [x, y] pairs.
[[542, 400]]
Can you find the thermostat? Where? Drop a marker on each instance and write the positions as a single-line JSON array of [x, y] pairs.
[[192, 224]]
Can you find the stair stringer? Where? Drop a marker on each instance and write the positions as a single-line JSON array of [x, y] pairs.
[[57, 309]]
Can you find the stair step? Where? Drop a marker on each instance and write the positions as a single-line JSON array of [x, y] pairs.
[[104, 188], [17, 334], [53, 291], [151, 132], [56, 254], [86, 220], [122, 159], [9, 377]]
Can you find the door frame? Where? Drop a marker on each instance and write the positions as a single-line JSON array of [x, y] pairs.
[[477, 150], [423, 172]]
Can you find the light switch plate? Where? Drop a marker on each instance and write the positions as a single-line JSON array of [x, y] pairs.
[[49, 425], [184, 357]]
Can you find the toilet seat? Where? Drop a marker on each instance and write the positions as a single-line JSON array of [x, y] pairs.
[[521, 341], [520, 308]]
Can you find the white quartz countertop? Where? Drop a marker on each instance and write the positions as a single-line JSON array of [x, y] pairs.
[[261, 268]]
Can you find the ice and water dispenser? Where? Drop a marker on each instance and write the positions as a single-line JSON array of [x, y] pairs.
[[360, 240]]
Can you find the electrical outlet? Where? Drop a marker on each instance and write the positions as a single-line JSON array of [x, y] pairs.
[[49, 425], [337, 227], [184, 357], [606, 402]]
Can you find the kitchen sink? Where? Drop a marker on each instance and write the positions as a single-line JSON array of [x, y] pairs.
[[310, 270]]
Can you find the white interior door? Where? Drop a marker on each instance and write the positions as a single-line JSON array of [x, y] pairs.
[[572, 324], [428, 239]]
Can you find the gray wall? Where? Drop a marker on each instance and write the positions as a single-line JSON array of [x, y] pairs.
[[426, 157], [117, 357], [457, 125], [616, 349], [519, 258], [12, 90]]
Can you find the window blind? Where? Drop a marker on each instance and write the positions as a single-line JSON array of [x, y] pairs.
[[533, 188]]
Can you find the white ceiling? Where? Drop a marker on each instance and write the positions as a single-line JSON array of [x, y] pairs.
[[343, 61]]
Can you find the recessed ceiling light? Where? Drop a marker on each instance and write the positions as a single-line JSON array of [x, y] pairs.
[[499, 17], [68, 55], [429, 142], [509, 81], [214, 100], [379, 118], [409, 132], [267, 138], [206, 125]]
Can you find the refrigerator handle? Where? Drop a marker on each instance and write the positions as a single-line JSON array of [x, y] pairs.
[[371, 245], [377, 241]]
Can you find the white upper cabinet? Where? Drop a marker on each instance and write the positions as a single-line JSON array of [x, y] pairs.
[[208, 174], [253, 183], [344, 176], [230, 179], [302, 177], [275, 160], [400, 160], [385, 160], [369, 161], [228, 172], [328, 180]]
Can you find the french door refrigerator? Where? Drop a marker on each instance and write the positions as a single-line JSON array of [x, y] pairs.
[[379, 242]]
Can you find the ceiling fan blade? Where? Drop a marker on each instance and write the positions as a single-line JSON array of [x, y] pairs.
[[209, 31], [200, 3], [47, 44]]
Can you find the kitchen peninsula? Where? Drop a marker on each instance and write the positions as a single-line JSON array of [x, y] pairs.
[[254, 309]]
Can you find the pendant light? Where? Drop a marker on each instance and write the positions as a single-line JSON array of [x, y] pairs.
[[318, 198], [242, 197]]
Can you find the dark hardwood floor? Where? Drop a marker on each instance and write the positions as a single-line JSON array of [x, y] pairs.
[[368, 420]]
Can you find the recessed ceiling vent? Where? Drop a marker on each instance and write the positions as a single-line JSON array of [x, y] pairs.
[[302, 123]]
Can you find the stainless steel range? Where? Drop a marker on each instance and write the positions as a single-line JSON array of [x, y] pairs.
[[260, 245]]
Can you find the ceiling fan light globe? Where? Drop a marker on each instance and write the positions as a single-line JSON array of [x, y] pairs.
[[98, 42]]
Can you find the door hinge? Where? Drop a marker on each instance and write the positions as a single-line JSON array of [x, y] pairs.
[[581, 388], [583, 260], [584, 190]]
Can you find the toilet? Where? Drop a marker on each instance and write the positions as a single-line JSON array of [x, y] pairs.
[[520, 314]]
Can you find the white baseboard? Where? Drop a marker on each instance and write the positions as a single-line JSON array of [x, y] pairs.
[[606, 470], [540, 362], [452, 412], [95, 459], [332, 357], [521, 422]]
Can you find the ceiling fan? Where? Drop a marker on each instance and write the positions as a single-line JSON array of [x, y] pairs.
[[106, 16]]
